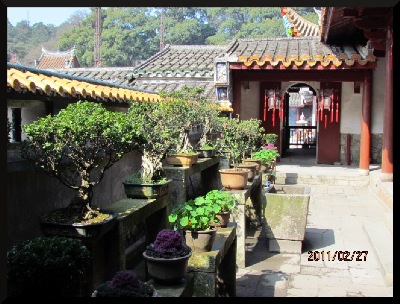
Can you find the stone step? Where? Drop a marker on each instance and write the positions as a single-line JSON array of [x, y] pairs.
[[321, 179], [381, 240]]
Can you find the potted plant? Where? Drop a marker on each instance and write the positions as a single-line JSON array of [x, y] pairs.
[[48, 267], [269, 138], [167, 257], [125, 283], [195, 218], [158, 132], [227, 203], [188, 109], [267, 155], [77, 146], [206, 151]]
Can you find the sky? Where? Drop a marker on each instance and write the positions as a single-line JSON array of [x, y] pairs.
[[47, 15]]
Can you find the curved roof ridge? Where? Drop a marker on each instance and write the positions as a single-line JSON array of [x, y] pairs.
[[59, 53]]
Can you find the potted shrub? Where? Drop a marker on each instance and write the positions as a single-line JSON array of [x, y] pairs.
[[195, 218], [125, 283], [158, 132], [227, 203], [190, 111], [267, 155], [167, 257], [77, 146], [48, 267]]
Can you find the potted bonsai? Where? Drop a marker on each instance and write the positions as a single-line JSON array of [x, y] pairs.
[[48, 267], [77, 146], [125, 283], [227, 203], [158, 132], [195, 219], [167, 257], [188, 108]]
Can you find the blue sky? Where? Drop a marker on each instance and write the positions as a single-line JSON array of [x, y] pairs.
[[47, 15]]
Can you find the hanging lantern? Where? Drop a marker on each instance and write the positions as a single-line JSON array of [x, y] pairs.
[[271, 99], [327, 98]]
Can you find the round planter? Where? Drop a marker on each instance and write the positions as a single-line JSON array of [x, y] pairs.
[[95, 293], [167, 271], [136, 190], [223, 218], [77, 230], [253, 161], [200, 241], [252, 172], [182, 160], [235, 179]]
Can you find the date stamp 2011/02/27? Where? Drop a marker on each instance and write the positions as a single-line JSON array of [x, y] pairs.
[[337, 255]]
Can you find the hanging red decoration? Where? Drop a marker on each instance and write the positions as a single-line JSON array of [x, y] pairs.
[[265, 105]]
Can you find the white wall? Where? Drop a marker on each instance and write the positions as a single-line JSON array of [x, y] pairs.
[[351, 109], [378, 95]]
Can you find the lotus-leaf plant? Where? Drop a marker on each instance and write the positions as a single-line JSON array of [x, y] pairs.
[[77, 146]]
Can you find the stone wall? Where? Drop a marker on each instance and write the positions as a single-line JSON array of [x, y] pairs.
[[31, 193], [375, 153]]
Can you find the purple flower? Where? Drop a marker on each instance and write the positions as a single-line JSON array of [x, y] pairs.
[[124, 279], [269, 146]]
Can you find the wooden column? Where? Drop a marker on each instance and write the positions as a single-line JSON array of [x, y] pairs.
[[237, 100], [365, 141], [387, 142]]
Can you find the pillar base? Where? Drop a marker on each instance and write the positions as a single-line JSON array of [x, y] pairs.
[[363, 172], [386, 177]]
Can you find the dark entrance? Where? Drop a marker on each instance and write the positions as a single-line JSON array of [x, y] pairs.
[[299, 124]]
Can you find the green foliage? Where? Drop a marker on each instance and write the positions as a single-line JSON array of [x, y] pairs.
[[132, 33], [269, 138], [266, 155], [224, 199], [195, 214], [79, 144], [239, 137], [48, 267]]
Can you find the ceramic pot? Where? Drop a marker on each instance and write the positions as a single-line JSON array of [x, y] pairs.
[[200, 241], [252, 168], [235, 179], [182, 160], [167, 271]]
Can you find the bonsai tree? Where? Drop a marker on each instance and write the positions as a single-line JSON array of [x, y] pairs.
[[125, 283], [269, 138], [191, 110], [168, 244], [48, 267], [77, 146], [159, 131]]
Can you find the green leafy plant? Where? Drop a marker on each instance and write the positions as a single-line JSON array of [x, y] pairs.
[[238, 137], [269, 138], [77, 146], [168, 244], [266, 154], [224, 199], [125, 283], [48, 267], [195, 215]]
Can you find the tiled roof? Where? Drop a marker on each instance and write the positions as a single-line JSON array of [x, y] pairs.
[[122, 76], [57, 60], [27, 80], [301, 26], [296, 51]]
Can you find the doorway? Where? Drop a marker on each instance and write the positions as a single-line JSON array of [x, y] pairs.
[[300, 123]]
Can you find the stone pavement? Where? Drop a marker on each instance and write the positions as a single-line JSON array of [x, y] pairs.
[[343, 216]]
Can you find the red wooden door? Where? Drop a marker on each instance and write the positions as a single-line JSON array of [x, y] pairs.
[[328, 143]]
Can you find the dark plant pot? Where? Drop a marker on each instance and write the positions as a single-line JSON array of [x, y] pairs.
[[253, 161], [223, 218], [200, 241], [136, 190], [206, 153], [85, 231], [167, 271]]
